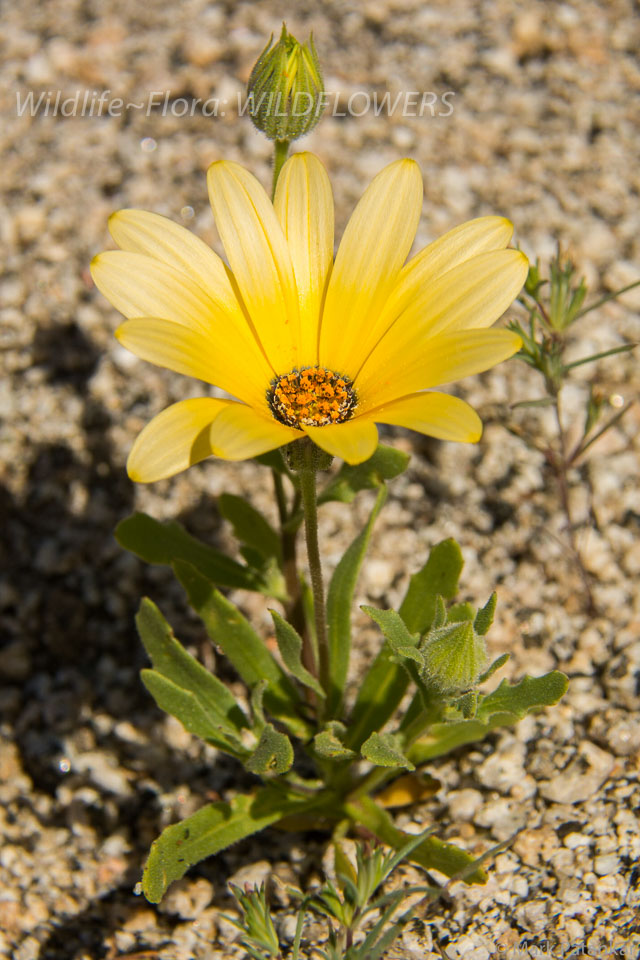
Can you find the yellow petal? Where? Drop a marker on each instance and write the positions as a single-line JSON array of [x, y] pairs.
[[174, 440], [353, 441], [259, 257], [140, 232], [473, 294], [240, 432], [481, 235], [194, 354], [304, 207], [436, 414], [430, 362], [375, 244], [141, 286]]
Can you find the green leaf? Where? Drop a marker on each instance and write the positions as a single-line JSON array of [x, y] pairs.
[[229, 630], [273, 755], [272, 459], [249, 526], [383, 750], [484, 616], [213, 702], [529, 694], [193, 716], [403, 643], [501, 708], [163, 543], [432, 853], [385, 464], [290, 646], [339, 602], [213, 828], [438, 577], [386, 682], [329, 742]]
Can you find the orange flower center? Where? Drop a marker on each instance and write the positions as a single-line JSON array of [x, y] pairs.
[[313, 397]]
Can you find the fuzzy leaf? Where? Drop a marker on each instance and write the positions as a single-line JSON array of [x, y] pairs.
[[249, 526], [329, 742], [229, 630], [273, 755], [431, 853], [191, 713], [484, 616], [383, 750], [394, 628], [211, 829], [385, 464], [339, 602], [386, 682], [529, 694], [290, 646], [502, 708], [215, 704], [163, 543]]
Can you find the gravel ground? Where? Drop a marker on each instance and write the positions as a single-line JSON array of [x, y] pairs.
[[544, 128]]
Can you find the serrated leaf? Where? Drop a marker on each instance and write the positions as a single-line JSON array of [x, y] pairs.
[[529, 694], [330, 742], [383, 750], [213, 828], [249, 526], [248, 653], [386, 682], [339, 603], [273, 756], [502, 708], [385, 464], [164, 543], [193, 716], [431, 853], [290, 646], [403, 643], [172, 661]]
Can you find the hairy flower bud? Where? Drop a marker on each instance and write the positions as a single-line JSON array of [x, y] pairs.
[[285, 89]]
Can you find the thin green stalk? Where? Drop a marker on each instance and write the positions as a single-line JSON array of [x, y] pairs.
[[281, 151], [307, 480]]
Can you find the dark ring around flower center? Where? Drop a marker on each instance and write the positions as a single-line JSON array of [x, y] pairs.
[[311, 397]]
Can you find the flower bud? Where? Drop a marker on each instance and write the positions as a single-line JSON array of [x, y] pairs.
[[455, 657], [285, 89]]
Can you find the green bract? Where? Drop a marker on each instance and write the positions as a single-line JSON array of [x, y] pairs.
[[285, 89]]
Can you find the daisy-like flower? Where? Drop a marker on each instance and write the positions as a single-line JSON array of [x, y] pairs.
[[306, 345]]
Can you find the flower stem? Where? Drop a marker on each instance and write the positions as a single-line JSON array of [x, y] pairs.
[[281, 151], [307, 479]]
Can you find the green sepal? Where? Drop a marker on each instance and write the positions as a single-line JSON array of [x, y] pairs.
[[189, 692], [431, 853], [339, 603], [493, 667], [501, 708], [164, 543], [290, 646], [250, 527], [484, 616], [273, 755], [242, 646], [386, 682], [213, 828], [385, 464], [383, 750], [329, 742]]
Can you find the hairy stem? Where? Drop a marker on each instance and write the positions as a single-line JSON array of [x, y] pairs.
[[307, 480], [281, 151]]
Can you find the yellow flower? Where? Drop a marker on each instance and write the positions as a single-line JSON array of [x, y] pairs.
[[306, 345]]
